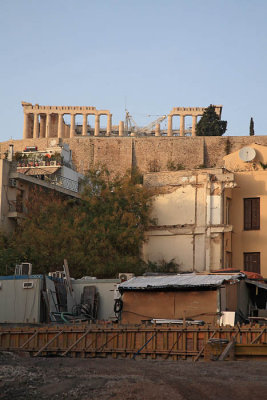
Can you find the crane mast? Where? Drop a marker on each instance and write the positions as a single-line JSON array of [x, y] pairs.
[[131, 126]]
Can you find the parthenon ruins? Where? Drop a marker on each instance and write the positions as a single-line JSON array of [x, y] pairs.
[[48, 121]]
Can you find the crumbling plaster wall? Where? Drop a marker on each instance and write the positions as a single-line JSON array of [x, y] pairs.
[[188, 210]]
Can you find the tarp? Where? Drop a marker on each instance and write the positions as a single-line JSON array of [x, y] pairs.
[[261, 285]]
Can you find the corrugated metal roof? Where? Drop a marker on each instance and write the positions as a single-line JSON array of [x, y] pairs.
[[177, 281], [261, 285]]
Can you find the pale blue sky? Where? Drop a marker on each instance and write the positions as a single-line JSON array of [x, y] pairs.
[[156, 54]]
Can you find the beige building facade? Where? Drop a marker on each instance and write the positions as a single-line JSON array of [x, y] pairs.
[[209, 219], [190, 229], [248, 208]]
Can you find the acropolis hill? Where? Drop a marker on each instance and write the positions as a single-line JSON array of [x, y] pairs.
[[120, 148]]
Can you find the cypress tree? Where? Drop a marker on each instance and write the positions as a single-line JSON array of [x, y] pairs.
[[251, 127], [210, 123]]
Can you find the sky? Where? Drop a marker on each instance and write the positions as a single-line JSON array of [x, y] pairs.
[[146, 55]]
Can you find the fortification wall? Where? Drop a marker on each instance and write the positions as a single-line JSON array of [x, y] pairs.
[[148, 154]]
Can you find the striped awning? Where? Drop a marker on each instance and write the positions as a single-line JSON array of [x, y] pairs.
[[37, 171]]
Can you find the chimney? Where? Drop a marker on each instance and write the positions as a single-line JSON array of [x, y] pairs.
[[10, 153]]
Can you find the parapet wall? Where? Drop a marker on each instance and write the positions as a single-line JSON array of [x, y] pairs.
[[149, 154]]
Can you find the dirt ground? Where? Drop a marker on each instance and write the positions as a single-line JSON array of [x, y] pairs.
[[101, 379]]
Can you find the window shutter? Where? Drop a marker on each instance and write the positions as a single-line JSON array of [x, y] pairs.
[[252, 262], [247, 214], [255, 213]]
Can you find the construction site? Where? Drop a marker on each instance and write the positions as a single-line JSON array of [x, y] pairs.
[[156, 335]]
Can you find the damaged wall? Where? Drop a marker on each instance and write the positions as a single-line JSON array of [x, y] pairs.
[[188, 211]]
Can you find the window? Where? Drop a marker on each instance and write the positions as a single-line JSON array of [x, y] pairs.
[[252, 262], [252, 214], [227, 211]]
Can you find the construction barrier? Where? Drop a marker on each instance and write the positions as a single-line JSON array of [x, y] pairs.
[[165, 341]]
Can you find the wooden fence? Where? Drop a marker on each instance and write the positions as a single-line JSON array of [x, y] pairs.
[[166, 342]]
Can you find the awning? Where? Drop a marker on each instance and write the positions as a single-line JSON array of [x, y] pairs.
[[38, 171], [259, 284]]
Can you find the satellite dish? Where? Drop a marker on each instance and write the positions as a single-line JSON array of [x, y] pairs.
[[247, 154]]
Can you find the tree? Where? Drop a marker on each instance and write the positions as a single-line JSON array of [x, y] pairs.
[[101, 234], [210, 123], [114, 215], [251, 127]]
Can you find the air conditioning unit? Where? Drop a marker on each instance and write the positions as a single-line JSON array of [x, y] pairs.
[[12, 182], [124, 276], [53, 163], [23, 269], [27, 285]]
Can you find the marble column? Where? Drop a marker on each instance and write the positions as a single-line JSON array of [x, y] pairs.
[[26, 126], [42, 126], [97, 129], [157, 130], [84, 133], [48, 126], [35, 126], [181, 125], [72, 125], [194, 125], [169, 133], [121, 128], [60, 126], [109, 124]]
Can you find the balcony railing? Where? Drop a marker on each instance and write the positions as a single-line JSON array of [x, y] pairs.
[[53, 178]]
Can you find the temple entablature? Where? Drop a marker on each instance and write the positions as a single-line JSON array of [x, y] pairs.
[[48, 121]]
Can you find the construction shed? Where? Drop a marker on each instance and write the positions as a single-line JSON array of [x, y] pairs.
[[190, 296], [21, 299]]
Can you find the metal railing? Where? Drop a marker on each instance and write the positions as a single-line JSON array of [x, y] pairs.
[[63, 182], [54, 179]]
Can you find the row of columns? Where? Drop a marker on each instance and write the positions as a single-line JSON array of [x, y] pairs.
[[44, 128], [182, 120]]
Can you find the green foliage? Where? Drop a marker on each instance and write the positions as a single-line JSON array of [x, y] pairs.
[[100, 235], [263, 166], [172, 166], [251, 127], [154, 166], [162, 266], [210, 123], [8, 254]]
